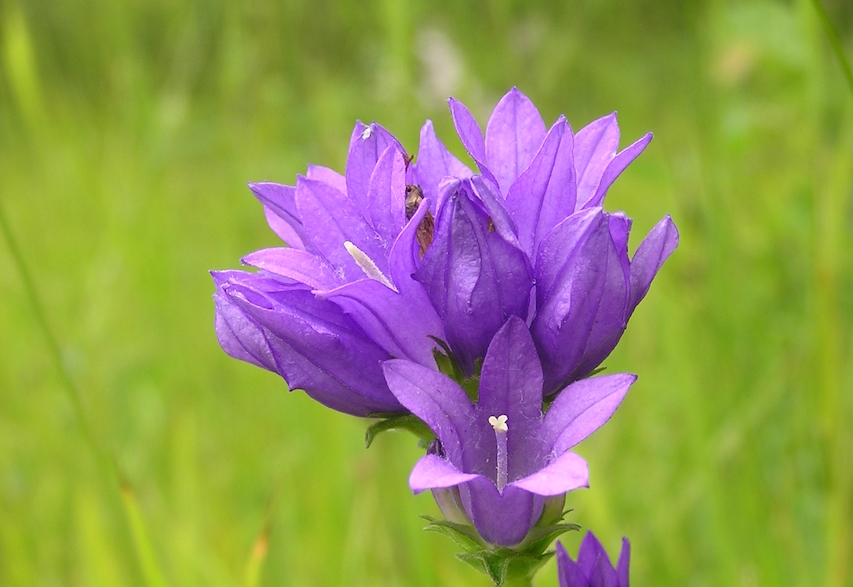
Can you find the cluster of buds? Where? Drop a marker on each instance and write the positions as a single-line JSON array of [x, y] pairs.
[[472, 305]]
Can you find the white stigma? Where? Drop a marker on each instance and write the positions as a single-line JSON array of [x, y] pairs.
[[367, 265], [499, 424], [366, 134]]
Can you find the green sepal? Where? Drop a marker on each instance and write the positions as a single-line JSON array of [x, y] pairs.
[[408, 422], [471, 385], [446, 360], [462, 534], [449, 365]]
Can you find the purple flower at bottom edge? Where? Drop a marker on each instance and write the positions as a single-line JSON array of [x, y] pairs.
[[502, 453], [593, 568]]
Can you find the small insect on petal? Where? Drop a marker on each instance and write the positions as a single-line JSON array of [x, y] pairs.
[[414, 196]]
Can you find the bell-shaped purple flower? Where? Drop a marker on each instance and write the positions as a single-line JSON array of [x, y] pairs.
[[593, 567], [502, 453], [309, 341], [475, 273], [586, 289], [550, 184]]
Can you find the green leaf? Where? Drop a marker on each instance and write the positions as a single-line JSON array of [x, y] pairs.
[[399, 422]]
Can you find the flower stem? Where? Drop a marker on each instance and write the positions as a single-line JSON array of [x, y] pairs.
[[518, 582], [837, 47]]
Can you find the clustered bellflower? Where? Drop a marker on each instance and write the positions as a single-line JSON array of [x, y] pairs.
[[511, 273], [593, 567]]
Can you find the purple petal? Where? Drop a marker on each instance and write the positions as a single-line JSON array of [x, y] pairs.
[[622, 568], [404, 261], [468, 130], [503, 519], [593, 560], [616, 166], [326, 175], [582, 408], [280, 201], [495, 206], [650, 256], [611, 316], [560, 245], [391, 319], [295, 264], [438, 401], [366, 146], [316, 347], [513, 134], [566, 473], [433, 472], [331, 219], [404, 258], [240, 336], [569, 572], [471, 135], [511, 385], [435, 162], [283, 229], [545, 193], [595, 146], [474, 278], [386, 195], [570, 282]]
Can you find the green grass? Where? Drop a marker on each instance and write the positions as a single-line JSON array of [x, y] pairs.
[[127, 133]]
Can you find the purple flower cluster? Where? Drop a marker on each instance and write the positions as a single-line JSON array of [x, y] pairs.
[[513, 272]]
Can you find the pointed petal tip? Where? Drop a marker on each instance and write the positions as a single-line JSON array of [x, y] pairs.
[[434, 472], [220, 277]]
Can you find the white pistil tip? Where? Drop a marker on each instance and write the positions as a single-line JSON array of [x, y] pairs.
[[499, 423], [366, 134], [367, 265], [352, 249]]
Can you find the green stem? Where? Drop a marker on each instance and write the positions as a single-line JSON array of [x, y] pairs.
[[41, 319]]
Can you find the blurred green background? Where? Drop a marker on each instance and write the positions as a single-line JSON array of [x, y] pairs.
[[128, 130]]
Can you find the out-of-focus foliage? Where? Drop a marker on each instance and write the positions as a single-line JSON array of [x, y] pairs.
[[127, 132]]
